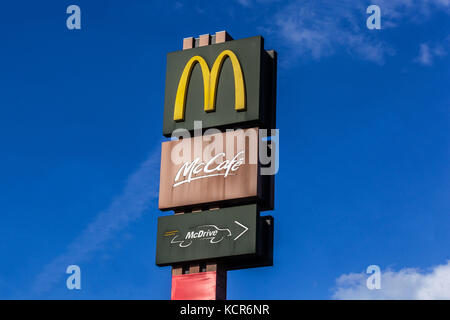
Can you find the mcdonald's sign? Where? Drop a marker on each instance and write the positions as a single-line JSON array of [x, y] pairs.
[[230, 84]]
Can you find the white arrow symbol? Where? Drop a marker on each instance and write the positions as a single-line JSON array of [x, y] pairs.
[[242, 231]]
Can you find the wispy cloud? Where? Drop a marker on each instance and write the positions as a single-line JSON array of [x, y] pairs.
[[178, 5], [408, 283], [316, 29], [396, 11], [245, 3], [429, 52], [321, 28], [140, 189]]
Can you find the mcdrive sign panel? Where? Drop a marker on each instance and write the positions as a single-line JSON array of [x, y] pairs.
[[213, 234], [229, 84], [213, 169]]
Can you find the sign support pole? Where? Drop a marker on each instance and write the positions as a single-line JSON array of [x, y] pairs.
[[192, 289], [219, 275], [218, 281], [199, 282]]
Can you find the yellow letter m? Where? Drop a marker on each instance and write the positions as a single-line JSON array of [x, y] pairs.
[[210, 82]]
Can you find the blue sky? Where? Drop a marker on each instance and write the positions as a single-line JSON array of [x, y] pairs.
[[364, 146]]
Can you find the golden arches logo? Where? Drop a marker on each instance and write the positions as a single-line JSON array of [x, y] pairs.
[[210, 82]]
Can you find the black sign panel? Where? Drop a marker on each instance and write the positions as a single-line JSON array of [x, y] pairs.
[[229, 84], [236, 236]]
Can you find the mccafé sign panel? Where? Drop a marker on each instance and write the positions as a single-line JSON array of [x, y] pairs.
[[216, 169], [237, 236], [229, 84]]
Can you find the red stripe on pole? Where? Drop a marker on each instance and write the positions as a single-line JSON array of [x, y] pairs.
[[195, 286]]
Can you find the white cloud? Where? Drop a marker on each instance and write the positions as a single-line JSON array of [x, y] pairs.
[[428, 53], [245, 3], [322, 28], [248, 3], [178, 5], [425, 56], [140, 189], [395, 11], [408, 283]]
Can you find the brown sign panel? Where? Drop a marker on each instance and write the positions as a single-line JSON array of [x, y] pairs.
[[220, 168]]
